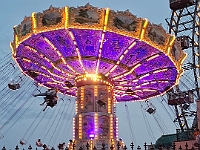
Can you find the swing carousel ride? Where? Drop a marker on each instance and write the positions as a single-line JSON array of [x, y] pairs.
[[100, 57]]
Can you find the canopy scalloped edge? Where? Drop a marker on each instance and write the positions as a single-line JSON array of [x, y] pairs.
[[105, 21]]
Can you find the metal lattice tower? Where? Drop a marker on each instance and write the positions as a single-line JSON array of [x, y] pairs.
[[185, 24]]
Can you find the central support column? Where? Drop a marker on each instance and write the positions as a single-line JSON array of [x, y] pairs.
[[95, 121]]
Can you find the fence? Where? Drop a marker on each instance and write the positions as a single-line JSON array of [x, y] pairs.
[[117, 147]]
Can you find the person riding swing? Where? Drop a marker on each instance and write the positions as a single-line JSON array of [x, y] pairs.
[[50, 98]]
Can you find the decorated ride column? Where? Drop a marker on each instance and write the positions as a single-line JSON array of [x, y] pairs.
[[95, 121]]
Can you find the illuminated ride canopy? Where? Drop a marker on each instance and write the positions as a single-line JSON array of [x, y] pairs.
[[100, 56], [57, 46]]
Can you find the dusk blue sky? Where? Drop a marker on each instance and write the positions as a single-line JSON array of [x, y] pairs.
[[12, 12]]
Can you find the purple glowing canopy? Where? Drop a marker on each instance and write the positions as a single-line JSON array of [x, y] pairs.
[[55, 46]]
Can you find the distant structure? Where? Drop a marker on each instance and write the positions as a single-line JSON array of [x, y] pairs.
[[184, 23]]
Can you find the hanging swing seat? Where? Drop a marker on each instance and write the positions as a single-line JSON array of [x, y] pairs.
[[13, 86], [69, 84], [151, 110], [22, 142], [39, 143], [1, 136]]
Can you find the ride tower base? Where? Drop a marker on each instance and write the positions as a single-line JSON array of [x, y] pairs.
[[95, 122]]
